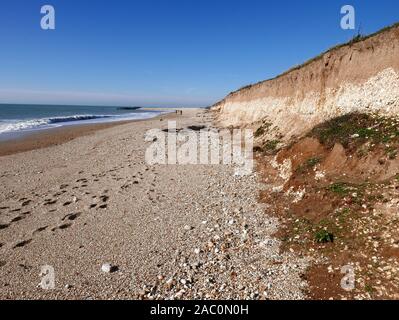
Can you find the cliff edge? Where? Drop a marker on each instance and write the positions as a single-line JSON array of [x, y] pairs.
[[360, 76]]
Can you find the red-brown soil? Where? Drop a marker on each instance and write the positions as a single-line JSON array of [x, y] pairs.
[[340, 204]]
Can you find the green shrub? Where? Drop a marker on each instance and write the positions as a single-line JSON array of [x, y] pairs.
[[339, 188], [309, 164], [324, 236], [271, 145]]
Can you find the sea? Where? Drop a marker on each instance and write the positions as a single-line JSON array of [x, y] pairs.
[[18, 119]]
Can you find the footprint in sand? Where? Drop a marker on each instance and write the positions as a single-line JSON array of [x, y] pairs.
[[71, 216], [62, 227], [41, 229], [15, 210], [104, 198], [49, 202], [4, 226], [126, 185], [19, 218], [67, 203], [24, 266], [22, 243], [25, 203], [103, 206]]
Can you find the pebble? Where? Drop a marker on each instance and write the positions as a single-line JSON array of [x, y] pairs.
[[107, 268]]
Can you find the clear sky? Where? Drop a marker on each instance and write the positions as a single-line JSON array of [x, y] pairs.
[[170, 52]]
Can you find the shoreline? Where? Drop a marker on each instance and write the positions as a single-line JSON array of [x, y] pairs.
[[56, 136]]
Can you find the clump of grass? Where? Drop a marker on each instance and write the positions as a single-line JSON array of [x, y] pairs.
[[262, 129], [271, 145], [355, 129], [392, 152], [339, 188], [366, 133], [312, 162], [357, 38], [342, 215], [341, 129], [323, 236], [369, 288], [309, 164]]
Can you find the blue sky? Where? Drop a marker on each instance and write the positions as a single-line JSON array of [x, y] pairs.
[[171, 52]]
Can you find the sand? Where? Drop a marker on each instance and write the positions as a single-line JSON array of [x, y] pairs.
[[168, 231]]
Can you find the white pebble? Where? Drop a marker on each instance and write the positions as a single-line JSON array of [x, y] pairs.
[[106, 267]]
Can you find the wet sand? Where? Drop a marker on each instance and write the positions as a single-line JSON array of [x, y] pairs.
[[55, 136]]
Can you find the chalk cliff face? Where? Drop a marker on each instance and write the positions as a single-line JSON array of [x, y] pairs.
[[361, 76]]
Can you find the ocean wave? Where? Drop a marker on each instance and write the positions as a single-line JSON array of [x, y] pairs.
[[76, 118], [31, 124]]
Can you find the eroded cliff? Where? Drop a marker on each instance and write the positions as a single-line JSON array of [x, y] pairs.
[[361, 76]]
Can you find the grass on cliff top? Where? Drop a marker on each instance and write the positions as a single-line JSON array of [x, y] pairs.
[[355, 129]]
